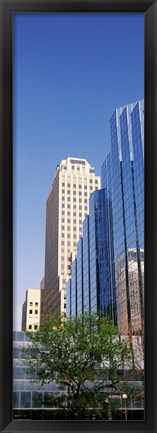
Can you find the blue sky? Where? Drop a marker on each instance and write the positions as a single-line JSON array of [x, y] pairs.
[[70, 71]]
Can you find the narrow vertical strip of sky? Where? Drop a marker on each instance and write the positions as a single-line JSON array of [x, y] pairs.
[[70, 71]]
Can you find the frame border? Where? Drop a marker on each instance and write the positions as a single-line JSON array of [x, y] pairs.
[[7, 8]]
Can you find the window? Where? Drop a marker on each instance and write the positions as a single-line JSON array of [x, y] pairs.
[[85, 194], [30, 326], [63, 220], [63, 191], [68, 243], [74, 192], [80, 214], [74, 229], [62, 227], [85, 200], [63, 184], [91, 181], [68, 185], [30, 311], [85, 207], [62, 243], [85, 186], [74, 213], [63, 205], [63, 212], [74, 207], [74, 200], [74, 221], [74, 236], [91, 187], [68, 206], [74, 186], [68, 198], [80, 200], [68, 191], [80, 207], [80, 192], [68, 227], [31, 303], [80, 186], [62, 235], [36, 311], [68, 213], [36, 303], [35, 326], [68, 220], [63, 198], [68, 236], [96, 180]]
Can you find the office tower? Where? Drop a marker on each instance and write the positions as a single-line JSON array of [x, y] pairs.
[[67, 206], [123, 175], [92, 285], [31, 310]]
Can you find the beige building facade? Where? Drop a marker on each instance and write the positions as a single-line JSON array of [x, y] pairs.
[[31, 310], [67, 206]]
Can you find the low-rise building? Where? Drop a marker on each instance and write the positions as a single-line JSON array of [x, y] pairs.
[[31, 310]]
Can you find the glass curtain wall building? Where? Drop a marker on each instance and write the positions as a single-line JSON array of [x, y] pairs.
[[123, 175], [92, 286]]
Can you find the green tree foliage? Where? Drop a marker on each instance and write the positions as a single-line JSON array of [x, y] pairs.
[[85, 354]]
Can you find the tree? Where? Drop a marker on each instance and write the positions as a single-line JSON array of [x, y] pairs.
[[85, 354]]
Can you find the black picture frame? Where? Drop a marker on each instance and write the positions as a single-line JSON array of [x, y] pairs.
[[7, 8]]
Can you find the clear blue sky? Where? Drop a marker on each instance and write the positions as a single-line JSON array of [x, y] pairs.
[[70, 72]]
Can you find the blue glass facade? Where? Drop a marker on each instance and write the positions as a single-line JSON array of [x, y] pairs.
[[101, 291], [123, 175], [92, 281], [86, 273], [73, 288], [79, 293], [68, 298]]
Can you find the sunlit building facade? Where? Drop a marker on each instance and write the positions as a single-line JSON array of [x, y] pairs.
[[32, 310], [123, 175], [67, 206]]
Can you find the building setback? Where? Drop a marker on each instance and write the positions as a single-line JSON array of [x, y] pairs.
[[91, 287], [67, 206], [123, 175]]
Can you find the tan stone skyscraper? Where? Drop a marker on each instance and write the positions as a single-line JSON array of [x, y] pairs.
[[67, 206]]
